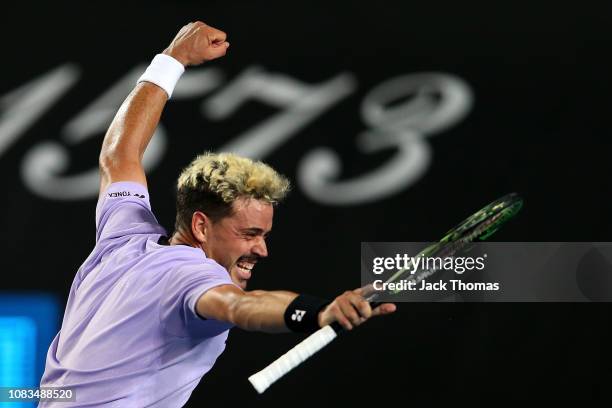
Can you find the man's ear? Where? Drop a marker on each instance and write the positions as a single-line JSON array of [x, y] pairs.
[[200, 226]]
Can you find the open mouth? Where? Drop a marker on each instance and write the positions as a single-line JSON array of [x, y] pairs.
[[244, 269]]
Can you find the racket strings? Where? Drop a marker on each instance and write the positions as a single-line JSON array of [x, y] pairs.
[[479, 226], [449, 249]]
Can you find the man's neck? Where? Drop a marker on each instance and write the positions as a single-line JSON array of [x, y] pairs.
[[181, 238]]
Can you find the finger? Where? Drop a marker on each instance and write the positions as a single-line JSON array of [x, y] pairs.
[[216, 36], [366, 290], [349, 311], [384, 309], [217, 52], [344, 322], [363, 307]]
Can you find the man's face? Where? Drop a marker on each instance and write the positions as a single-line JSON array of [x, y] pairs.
[[237, 242]]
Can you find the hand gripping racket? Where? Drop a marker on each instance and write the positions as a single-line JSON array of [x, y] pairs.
[[477, 227]]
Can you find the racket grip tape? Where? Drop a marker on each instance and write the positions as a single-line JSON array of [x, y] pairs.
[[291, 359], [297, 355]]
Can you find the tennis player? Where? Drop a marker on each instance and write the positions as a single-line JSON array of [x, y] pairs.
[[148, 314]]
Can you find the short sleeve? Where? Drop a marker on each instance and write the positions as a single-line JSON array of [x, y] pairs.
[[124, 209], [184, 286]]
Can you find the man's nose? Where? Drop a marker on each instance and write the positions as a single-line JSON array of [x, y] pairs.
[[260, 249]]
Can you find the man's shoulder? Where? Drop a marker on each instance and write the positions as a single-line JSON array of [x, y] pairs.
[[186, 258]]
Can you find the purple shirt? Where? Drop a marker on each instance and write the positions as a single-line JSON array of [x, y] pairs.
[[130, 335]]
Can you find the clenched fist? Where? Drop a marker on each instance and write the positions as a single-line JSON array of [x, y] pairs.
[[196, 43], [350, 309]]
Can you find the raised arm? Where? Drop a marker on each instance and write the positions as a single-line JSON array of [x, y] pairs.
[[132, 128], [266, 311]]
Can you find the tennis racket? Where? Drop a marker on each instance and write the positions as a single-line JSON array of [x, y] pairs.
[[477, 227]]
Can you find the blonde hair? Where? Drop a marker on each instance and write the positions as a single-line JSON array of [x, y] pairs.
[[213, 181]]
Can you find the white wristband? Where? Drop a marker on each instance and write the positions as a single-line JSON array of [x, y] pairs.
[[164, 71]]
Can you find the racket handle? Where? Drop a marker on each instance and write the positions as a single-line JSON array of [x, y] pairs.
[[297, 355], [294, 357]]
